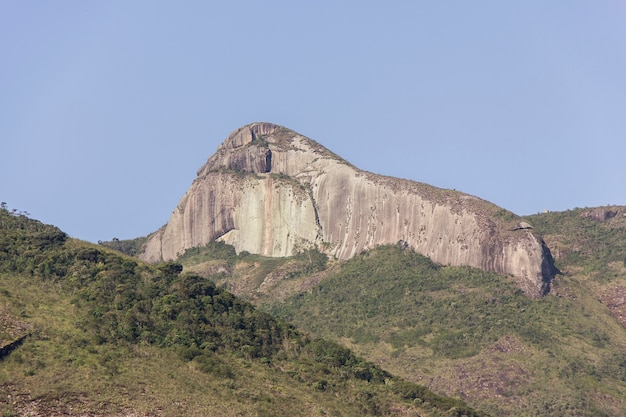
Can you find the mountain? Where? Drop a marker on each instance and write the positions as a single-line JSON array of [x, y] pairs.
[[271, 191], [87, 331]]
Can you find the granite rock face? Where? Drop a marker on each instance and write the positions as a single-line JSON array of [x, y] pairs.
[[271, 191]]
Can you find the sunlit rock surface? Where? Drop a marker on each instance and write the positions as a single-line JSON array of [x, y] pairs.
[[271, 191]]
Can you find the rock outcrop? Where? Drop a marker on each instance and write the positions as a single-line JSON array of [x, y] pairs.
[[600, 214], [271, 191]]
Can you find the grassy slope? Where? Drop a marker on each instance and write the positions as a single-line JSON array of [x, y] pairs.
[[107, 335], [469, 333], [57, 363], [587, 250]]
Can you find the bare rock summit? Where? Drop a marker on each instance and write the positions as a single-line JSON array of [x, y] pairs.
[[271, 191]]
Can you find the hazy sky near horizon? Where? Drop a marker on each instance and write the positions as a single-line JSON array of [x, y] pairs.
[[107, 109]]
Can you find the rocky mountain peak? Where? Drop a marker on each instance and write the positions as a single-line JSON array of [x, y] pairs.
[[272, 191], [265, 148], [247, 134]]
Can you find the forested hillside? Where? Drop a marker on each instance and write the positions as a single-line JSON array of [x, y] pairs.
[[89, 331], [468, 333]]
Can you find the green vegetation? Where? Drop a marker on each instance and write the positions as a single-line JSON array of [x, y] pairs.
[[252, 276], [458, 326], [401, 298], [213, 250], [130, 247], [109, 335], [581, 242]]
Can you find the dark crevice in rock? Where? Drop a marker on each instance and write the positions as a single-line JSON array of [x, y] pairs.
[[548, 269]]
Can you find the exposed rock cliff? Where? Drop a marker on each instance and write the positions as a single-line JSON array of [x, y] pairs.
[[271, 191]]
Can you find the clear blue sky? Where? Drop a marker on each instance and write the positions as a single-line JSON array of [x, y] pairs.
[[107, 109]]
